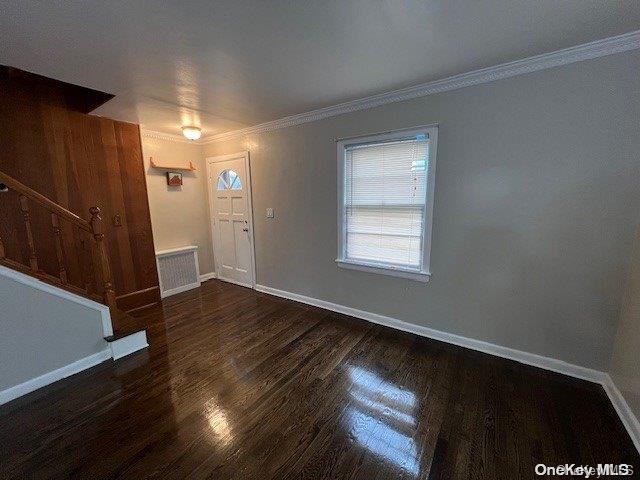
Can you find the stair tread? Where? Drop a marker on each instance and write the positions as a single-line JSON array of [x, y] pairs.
[[119, 335]]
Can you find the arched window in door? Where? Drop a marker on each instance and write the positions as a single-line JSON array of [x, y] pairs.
[[229, 180]]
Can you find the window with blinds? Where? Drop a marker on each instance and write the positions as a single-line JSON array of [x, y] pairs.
[[385, 201]]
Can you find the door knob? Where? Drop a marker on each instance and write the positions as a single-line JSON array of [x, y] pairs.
[[245, 229]]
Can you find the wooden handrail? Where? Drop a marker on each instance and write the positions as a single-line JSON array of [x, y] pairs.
[[95, 226], [53, 207]]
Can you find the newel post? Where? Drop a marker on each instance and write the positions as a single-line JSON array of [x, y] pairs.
[[103, 258]]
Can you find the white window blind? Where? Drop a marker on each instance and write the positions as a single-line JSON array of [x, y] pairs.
[[385, 194]]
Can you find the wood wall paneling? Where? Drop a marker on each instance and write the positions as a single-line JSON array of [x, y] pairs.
[[79, 161]]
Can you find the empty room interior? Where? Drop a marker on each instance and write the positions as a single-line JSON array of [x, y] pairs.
[[356, 239]]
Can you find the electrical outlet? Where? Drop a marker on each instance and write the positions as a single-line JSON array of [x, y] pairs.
[[270, 213]]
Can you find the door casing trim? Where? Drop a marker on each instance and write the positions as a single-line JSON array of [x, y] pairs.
[[252, 244]]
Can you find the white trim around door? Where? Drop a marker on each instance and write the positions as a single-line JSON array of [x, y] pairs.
[[211, 188]]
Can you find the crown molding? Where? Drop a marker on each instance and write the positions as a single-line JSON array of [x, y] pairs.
[[579, 53], [166, 136]]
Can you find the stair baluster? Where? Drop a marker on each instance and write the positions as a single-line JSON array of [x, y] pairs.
[[96, 265], [57, 232], [33, 259]]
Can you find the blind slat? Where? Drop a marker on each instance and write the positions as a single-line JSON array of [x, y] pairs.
[[385, 195]]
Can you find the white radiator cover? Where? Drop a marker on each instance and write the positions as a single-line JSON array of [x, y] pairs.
[[178, 270]]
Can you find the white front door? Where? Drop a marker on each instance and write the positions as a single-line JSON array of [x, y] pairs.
[[231, 218]]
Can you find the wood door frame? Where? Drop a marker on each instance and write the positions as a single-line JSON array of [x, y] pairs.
[[221, 158]]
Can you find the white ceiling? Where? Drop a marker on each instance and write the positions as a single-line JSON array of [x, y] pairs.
[[232, 63]]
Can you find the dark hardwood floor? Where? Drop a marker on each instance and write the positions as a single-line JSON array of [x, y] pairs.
[[238, 384]]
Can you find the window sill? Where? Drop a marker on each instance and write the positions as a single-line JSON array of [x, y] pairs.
[[391, 271]]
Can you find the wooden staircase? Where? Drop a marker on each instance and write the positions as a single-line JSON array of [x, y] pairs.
[[93, 227]]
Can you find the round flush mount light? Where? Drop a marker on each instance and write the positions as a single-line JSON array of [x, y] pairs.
[[192, 133]]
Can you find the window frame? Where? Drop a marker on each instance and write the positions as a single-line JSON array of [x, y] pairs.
[[421, 274]]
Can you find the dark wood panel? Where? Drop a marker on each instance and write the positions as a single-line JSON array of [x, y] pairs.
[[134, 188], [119, 242], [242, 385], [45, 89], [78, 161], [133, 300]]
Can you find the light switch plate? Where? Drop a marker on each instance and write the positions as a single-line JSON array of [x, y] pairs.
[[270, 213]]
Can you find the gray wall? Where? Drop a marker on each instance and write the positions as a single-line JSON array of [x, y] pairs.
[[40, 332], [535, 202], [625, 364]]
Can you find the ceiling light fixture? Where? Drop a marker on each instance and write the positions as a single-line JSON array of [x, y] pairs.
[[192, 133]]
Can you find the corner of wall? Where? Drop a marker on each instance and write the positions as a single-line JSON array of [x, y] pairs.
[[623, 377], [179, 215]]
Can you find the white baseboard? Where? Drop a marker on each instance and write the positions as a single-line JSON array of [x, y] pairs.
[[127, 345], [207, 276], [629, 420], [235, 282], [50, 377], [183, 288], [547, 363], [619, 403], [242, 284], [117, 349]]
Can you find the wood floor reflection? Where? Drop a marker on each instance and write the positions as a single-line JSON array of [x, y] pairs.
[[238, 384]]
